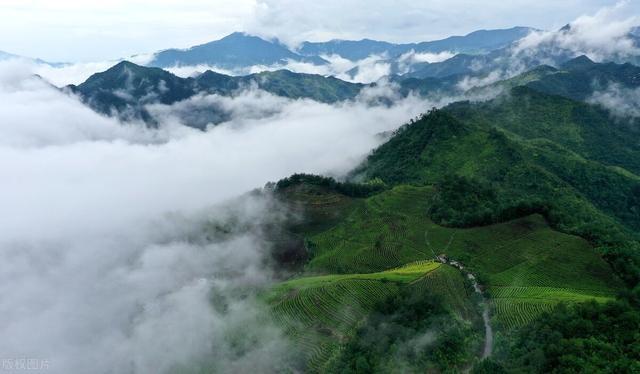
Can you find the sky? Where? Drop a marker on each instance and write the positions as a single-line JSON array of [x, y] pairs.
[[89, 30]]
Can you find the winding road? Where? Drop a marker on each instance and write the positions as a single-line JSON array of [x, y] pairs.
[[488, 330]]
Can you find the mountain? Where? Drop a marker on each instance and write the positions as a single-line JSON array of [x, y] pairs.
[[236, 50], [126, 89], [352, 49], [546, 223], [240, 50], [513, 58], [309, 86], [541, 132], [515, 218], [7, 55], [460, 64], [579, 78], [476, 42], [577, 130]]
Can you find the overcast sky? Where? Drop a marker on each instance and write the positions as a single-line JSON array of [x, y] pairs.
[[91, 30]]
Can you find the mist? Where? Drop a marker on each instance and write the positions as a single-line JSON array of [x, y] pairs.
[[602, 36], [621, 101], [367, 70], [111, 264]]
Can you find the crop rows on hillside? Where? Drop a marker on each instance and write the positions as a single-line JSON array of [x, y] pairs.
[[516, 306], [320, 313]]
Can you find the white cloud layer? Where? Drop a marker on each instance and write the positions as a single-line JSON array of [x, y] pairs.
[[600, 36], [105, 264], [367, 70], [621, 101]]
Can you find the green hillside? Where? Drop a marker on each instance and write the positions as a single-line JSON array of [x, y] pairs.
[[526, 267], [322, 313], [585, 129], [539, 214], [579, 78], [507, 175], [522, 261]]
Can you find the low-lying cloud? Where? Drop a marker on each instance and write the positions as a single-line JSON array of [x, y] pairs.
[[621, 101], [408, 60], [601, 36], [368, 70], [111, 259]]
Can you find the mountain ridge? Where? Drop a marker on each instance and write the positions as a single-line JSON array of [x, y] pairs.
[[126, 88], [477, 41]]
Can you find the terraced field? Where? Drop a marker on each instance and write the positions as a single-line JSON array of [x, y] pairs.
[[526, 266], [516, 306], [384, 232], [320, 313], [533, 269], [448, 283], [320, 207]]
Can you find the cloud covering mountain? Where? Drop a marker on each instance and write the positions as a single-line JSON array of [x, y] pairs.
[[111, 262]]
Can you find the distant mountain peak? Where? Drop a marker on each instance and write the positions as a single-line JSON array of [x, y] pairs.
[[580, 62], [131, 68], [236, 50], [477, 42], [123, 65], [237, 34], [565, 28], [240, 36]]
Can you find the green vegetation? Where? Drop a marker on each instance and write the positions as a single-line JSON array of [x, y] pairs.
[[512, 175], [322, 313], [346, 188], [587, 130], [466, 202], [577, 79], [523, 262], [526, 266], [410, 332], [310, 86], [584, 338], [536, 195]]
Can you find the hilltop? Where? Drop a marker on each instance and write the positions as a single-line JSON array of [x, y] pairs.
[[540, 214]]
